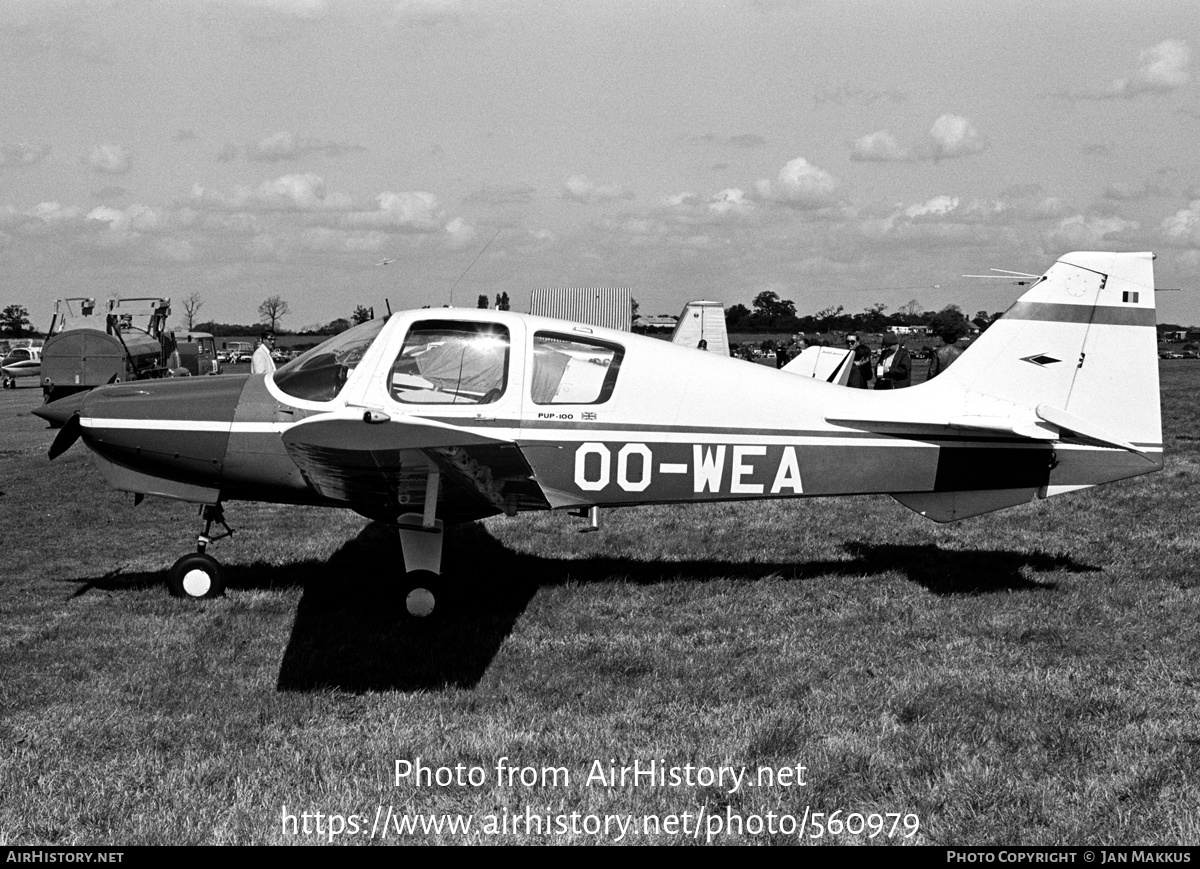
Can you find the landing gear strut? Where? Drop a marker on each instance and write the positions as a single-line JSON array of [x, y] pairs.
[[198, 575], [421, 544]]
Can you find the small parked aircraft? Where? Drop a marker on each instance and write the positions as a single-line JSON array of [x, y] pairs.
[[447, 415], [21, 362]]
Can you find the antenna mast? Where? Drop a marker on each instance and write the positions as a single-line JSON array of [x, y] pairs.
[[468, 268]]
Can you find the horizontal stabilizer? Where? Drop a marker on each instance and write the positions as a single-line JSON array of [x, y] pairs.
[[1006, 426], [1051, 424], [1086, 430]]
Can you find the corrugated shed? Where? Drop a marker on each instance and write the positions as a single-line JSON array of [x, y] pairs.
[[609, 307]]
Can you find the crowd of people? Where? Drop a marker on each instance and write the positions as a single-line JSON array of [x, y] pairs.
[[892, 368]]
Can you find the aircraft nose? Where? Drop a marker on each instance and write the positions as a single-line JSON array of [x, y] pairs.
[[58, 412], [173, 429]]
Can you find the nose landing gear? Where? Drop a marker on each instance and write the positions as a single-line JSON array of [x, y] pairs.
[[198, 575]]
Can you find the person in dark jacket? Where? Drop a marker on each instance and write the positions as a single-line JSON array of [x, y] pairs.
[[944, 355], [860, 365], [894, 369]]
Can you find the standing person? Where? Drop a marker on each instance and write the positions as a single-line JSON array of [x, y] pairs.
[[894, 369], [261, 362], [860, 366], [944, 355]]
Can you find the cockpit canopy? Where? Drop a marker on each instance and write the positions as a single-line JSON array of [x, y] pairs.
[[467, 361]]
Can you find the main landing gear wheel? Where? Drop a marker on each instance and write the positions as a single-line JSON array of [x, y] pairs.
[[423, 593], [196, 576]]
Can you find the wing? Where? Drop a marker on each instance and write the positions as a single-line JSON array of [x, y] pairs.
[[382, 468]]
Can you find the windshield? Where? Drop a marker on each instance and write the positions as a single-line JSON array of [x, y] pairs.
[[320, 373]]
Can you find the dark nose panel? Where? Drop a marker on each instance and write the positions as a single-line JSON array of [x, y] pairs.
[[176, 429]]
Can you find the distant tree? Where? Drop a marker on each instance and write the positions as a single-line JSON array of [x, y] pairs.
[[949, 324], [272, 310], [482, 301], [735, 316], [502, 302], [362, 315], [983, 319], [827, 317], [769, 305], [335, 327], [14, 321], [191, 307], [911, 308], [633, 309], [872, 319]]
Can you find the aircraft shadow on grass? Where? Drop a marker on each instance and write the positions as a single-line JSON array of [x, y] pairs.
[[349, 633]]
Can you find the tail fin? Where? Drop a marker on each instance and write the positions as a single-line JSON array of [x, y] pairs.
[[1073, 365], [702, 321], [1081, 349]]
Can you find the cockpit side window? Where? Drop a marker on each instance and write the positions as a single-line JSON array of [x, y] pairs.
[[572, 370], [451, 362], [320, 373]]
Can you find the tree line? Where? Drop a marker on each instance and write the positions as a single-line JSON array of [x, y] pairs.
[[770, 313]]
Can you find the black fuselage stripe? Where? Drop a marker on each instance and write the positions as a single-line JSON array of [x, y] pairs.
[[1057, 312]]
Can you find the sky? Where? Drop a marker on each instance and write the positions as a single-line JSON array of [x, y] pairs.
[[836, 152]]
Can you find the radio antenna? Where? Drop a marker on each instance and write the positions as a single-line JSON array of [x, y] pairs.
[[468, 268]]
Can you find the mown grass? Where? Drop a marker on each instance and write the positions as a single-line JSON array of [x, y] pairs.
[[1029, 677]]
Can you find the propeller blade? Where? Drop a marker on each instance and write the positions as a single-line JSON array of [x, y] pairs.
[[66, 436]]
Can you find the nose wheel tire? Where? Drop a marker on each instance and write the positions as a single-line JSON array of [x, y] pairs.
[[424, 593], [196, 576]]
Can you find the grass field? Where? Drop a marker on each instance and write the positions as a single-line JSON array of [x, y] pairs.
[[1028, 677]]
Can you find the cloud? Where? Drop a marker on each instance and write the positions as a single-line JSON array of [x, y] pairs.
[[415, 210], [1184, 225], [285, 145], [731, 201], [1162, 70], [580, 188], [107, 160], [950, 136], [1123, 191], [939, 206], [1084, 232], [954, 136], [800, 184], [879, 147], [299, 192], [22, 154], [52, 212], [459, 232]]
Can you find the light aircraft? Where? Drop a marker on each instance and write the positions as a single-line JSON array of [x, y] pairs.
[[831, 364], [439, 416], [702, 326], [21, 362]]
